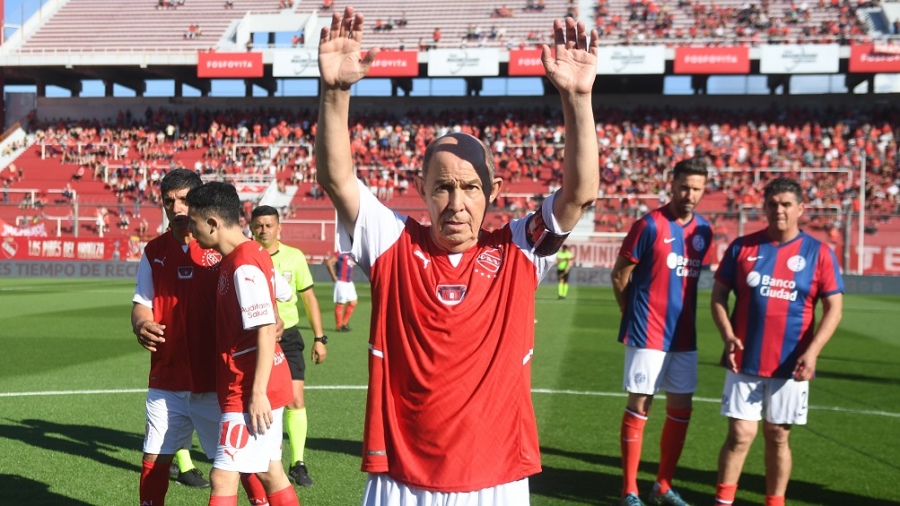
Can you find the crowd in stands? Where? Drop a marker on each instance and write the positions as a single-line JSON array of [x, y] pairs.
[[193, 31], [169, 4], [637, 147], [749, 23]]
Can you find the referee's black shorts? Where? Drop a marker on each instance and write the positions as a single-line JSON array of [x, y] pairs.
[[562, 276], [292, 345]]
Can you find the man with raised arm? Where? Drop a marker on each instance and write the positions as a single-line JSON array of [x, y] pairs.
[[449, 417]]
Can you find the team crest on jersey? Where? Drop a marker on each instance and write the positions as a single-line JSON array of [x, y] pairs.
[[210, 258], [698, 243], [288, 276], [796, 263], [451, 295], [640, 377], [489, 262], [223, 283], [186, 272]]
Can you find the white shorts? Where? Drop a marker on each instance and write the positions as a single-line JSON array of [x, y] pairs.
[[381, 490], [649, 371], [784, 400], [239, 451], [344, 292], [172, 418]]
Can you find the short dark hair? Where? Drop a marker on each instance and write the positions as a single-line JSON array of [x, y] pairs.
[[694, 166], [783, 185], [179, 179], [264, 211], [215, 198]]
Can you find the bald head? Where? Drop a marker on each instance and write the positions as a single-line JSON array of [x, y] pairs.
[[465, 147]]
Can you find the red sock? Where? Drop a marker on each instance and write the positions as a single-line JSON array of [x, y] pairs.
[[338, 312], [725, 493], [632, 433], [154, 483], [774, 500], [255, 490], [348, 312], [670, 445], [284, 497], [223, 500]]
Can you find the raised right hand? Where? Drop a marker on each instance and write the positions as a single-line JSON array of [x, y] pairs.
[[340, 64]]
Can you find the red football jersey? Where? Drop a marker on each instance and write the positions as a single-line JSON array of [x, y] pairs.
[[183, 284], [449, 402], [246, 300]]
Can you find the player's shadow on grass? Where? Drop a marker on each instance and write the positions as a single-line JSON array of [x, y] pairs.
[[604, 488], [878, 380], [19, 490], [353, 448], [82, 441]]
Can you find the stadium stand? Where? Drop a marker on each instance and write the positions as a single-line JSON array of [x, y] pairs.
[[118, 164], [729, 22], [109, 167], [138, 25], [396, 24]]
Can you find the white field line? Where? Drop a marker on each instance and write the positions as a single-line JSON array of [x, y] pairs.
[[362, 387]]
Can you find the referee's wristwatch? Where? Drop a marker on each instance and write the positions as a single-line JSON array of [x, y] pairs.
[[323, 339]]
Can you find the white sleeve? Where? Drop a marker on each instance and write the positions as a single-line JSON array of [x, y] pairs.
[[519, 230], [252, 288], [143, 291], [283, 290], [377, 229]]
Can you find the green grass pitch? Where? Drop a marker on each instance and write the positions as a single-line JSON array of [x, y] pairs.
[[72, 382]]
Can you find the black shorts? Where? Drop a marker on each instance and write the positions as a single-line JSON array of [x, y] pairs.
[[292, 345], [563, 276]]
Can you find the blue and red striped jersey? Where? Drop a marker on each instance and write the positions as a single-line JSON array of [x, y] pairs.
[[777, 287], [344, 267], [662, 295]]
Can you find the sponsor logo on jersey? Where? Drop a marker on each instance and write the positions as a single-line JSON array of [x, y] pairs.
[[683, 266], [489, 262], [421, 256], [773, 288], [279, 358], [185, 272], [451, 295], [669, 240], [256, 310], [160, 261], [698, 243]]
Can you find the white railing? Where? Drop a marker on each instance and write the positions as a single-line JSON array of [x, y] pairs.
[[32, 194]]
